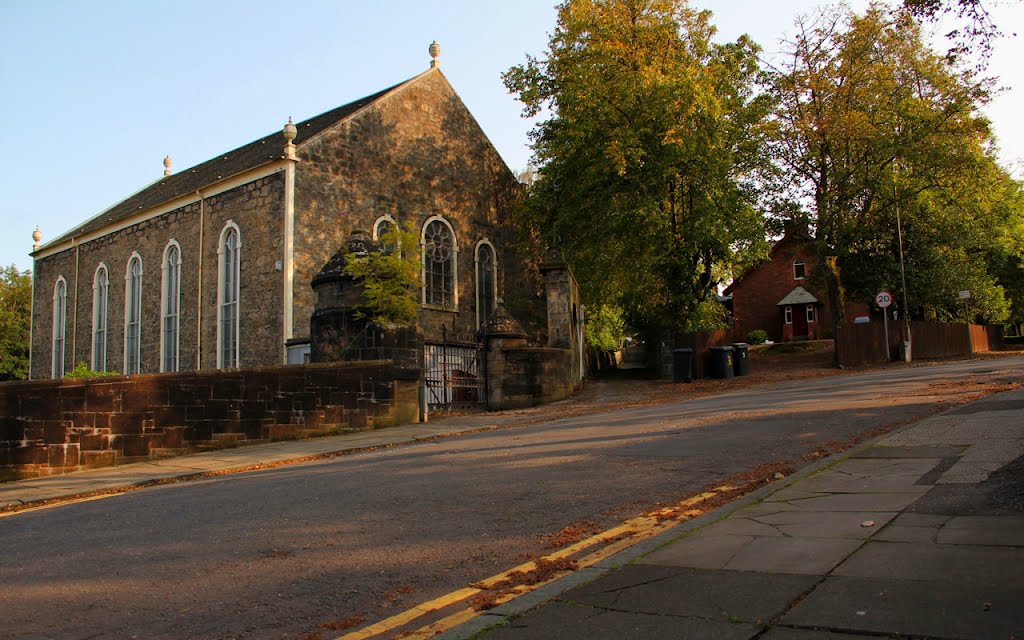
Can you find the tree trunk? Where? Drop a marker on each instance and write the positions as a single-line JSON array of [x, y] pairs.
[[836, 300]]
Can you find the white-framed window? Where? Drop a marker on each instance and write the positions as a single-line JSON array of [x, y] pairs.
[[440, 263], [799, 270], [486, 281], [229, 258], [170, 306], [60, 323], [133, 315], [100, 297], [382, 224], [812, 315], [788, 314]]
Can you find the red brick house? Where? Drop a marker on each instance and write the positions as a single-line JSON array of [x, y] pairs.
[[780, 296]]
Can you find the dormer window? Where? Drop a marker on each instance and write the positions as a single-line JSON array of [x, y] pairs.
[[799, 270]]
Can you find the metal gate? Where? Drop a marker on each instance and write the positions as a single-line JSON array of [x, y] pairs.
[[454, 375]]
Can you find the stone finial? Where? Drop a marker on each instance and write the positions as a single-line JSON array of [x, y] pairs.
[[290, 131], [167, 165], [37, 237], [434, 50]]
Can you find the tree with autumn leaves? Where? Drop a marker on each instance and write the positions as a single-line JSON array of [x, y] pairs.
[[876, 135], [649, 155], [660, 149], [15, 318]]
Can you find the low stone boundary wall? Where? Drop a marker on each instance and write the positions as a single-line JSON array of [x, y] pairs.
[[525, 376], [57, 426]]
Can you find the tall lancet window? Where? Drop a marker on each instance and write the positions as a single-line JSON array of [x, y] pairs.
[[100, 295], [133, 316], [60, 323], [486, 282], [171, 305], [228, 293]]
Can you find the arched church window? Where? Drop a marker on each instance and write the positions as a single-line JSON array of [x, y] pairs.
[[60, 320], [133, 315], [229, 253], [440, 252], [100, 296], [171, 303], [486, 281]]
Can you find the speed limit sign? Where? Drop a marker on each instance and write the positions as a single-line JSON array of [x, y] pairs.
[[883, 299]]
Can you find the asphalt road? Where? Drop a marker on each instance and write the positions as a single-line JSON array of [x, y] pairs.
[[277, 553]]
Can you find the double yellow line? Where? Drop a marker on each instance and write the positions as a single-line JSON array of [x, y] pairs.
[[614, 540]]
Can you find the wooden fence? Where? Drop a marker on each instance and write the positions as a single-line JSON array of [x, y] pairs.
[[864, 344]]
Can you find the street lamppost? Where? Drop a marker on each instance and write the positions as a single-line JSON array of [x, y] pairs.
[[903, 273]]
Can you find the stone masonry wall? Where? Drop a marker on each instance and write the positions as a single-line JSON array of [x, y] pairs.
[[58, 426], [256, 207], [416, 153]]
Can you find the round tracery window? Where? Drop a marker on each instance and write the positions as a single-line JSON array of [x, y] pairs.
[[438, 242]]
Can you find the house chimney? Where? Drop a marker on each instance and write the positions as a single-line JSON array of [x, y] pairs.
[[434, 50]]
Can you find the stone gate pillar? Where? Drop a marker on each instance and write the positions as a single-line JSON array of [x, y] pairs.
[[565, 308]]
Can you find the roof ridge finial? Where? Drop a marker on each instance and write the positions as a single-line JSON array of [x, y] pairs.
[[37, 237], [290, 131], [167, 165], [434, 50]]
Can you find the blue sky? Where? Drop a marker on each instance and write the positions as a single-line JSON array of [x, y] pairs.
[[97, 92]]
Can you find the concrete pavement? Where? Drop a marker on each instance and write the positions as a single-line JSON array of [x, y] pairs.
[[919, 534]]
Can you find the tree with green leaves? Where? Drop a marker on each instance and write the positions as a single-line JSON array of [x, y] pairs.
[[872, 125], [648, 156], [963, 236], [390, 278], [15, 322]]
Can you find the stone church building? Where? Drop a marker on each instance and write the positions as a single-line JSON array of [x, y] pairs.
[[210, 268]]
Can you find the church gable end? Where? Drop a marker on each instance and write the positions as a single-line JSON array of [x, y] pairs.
[[413, 155]]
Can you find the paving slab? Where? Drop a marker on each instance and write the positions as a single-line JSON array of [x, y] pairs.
[[723, 595], [737, 526], [827, 524], [983, 530], [971, 472], [703, 550], [899, 533], [945, 563], [995, 450], [859, 501], [805, 556], [930, 520], [863, 475], [912, 608], [561, 620]]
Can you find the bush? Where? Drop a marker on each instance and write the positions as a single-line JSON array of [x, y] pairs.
[[82, 370], [757, 336], [606, 328]]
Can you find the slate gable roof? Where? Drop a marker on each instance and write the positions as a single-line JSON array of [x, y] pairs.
[[250, 156], [789, 238]]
